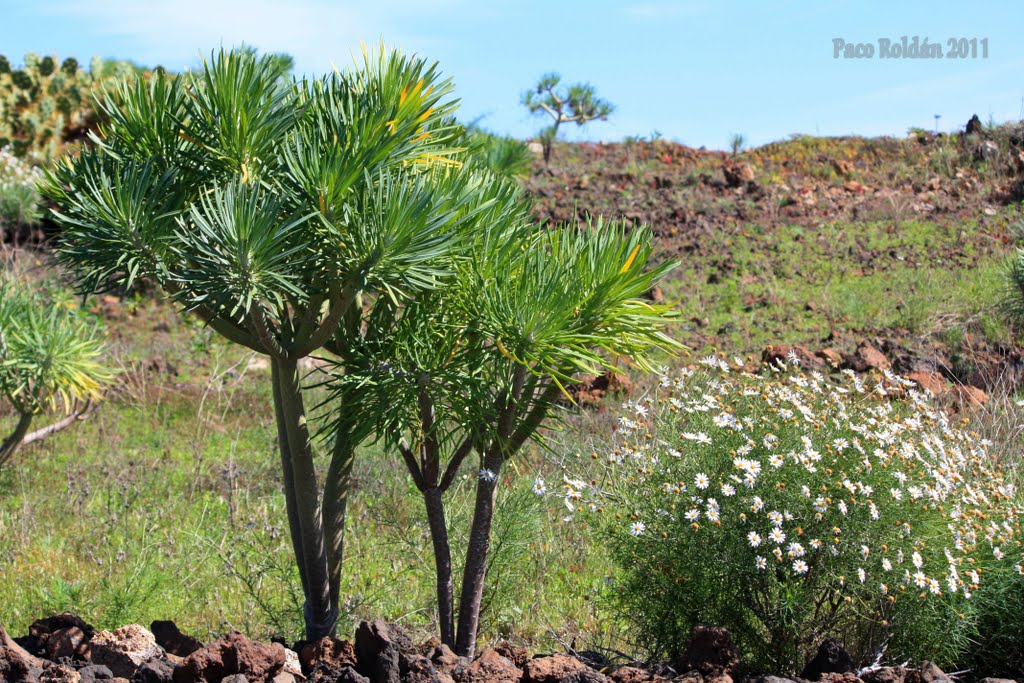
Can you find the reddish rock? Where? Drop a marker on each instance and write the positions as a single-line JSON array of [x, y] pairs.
[[551, 669], [736, 173], [41, 629], [329, 651], [962, 397], [854, 187], [70, 642], [514, 653], [842, 166], [928, 672], [775, 354], [831, 357], [885, 674], [172, 640], [932, 382], [591, 390], [59, 673], [443, 658], [125, 649], [630, 674], [866, 357], [655, 295], [230, 655], [710, 651], [16, 664], [840, 678], [490, 667]]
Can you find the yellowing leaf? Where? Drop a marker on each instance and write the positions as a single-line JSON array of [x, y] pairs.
[[629, 261]]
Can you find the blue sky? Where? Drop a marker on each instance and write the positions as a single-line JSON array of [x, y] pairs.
[[697, 71]]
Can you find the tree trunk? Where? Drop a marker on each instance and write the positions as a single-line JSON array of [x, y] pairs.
[[336, 489], [442, 563], [311, 551], [11, 443], [476, 562]]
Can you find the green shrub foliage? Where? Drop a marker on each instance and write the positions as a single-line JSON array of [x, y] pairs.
[[790, 508]]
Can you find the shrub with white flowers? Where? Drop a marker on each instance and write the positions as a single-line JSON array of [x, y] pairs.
[[792, 507], [19, 201]]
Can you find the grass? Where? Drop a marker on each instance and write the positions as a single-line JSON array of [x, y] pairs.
[[167, 504], [796, 285]]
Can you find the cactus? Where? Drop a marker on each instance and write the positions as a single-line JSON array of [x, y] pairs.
[[43, 107]]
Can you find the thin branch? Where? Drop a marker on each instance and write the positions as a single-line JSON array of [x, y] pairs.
[[260, 326], [532, 422], [340, 303], [410, 462], [452, 470], [43, 432]]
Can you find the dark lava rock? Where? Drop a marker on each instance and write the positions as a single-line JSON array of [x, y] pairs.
[[155, 671], [68, 643], [16, 664], [831, 658], [710, 651], [171, 639], [417, 669], [41, 629], [378, 646], [94, 673]]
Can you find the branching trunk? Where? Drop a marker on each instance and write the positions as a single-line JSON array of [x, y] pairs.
[[304, 507], [65, 422], [11, 443], [22, 437], [442, 563]]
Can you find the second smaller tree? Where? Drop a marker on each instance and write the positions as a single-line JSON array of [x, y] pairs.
[[577, 103]]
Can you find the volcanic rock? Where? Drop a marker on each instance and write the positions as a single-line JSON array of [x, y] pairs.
[[230, 655], [710, 651], [866, 357], [551, 669], [378, 647], [830, 658], [490, 667], [171, 639], [125, 649]]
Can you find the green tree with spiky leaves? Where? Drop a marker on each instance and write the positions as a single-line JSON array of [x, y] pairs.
[[49, 360], [475, 370], [577, 103], [284, 215]]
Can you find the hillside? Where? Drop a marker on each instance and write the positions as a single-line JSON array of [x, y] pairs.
[[822, 242]]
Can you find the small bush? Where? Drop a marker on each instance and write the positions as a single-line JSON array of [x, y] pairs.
[[790, 508], [502, 156]]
